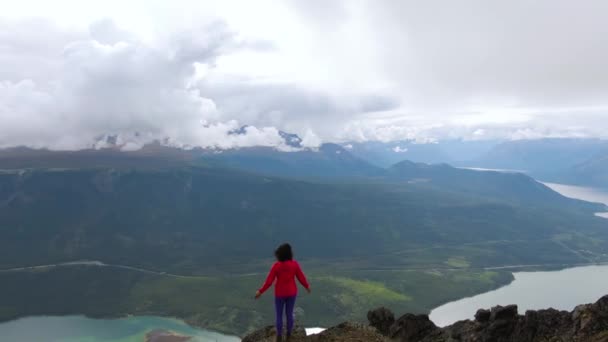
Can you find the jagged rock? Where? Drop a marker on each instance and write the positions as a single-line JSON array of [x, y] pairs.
[[482, 315], [503, 324], [543, 324], [586, 323], [508, 312], [503, 320], [588, 320], [412, 328], [351, 332], [381, 319]]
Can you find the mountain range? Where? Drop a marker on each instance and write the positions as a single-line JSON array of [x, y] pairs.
[[572, 161], [181, 225]]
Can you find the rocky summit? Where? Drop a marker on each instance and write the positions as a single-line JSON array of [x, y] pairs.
[[586, 323]]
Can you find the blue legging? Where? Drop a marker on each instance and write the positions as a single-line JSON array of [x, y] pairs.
[[288, 303]]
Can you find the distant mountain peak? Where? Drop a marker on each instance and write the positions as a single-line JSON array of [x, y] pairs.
[[291, 139]]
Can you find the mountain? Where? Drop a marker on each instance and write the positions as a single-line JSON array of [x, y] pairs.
[[174, 213], [385, 154], [177, 233], [150, 156], [554, 160], [509, 186], [177, 217], [329, 161], [592, 172]]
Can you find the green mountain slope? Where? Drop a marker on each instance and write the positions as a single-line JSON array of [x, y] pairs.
[[412, 238], [190, 218]]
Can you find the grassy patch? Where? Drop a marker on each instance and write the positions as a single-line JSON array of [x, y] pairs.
[[365, 288], [458, 262]]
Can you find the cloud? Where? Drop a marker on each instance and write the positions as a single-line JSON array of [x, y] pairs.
[[467, 65], [290, 106], [107, 82], [189, 73]]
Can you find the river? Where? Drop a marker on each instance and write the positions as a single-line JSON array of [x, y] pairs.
[[561, 290]]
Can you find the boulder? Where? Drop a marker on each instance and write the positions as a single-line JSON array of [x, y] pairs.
[[482, 315], [508, 312], [382, 319], [412, 328], [591, 319]]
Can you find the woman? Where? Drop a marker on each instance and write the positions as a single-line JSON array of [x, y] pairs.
[[285, 270]]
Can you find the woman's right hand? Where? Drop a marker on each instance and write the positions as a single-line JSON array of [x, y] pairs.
[[308, 290]]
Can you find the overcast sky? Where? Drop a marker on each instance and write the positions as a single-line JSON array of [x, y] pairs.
[[188, 72]]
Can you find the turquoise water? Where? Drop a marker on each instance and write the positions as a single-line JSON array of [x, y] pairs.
[[82, 329]]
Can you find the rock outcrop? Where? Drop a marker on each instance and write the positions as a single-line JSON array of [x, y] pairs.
[[586, 323], [347, 331], [381, 319]]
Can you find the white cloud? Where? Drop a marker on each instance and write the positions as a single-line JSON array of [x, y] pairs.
[[125, 87], [399, 149], [187, 72], [311, 140]]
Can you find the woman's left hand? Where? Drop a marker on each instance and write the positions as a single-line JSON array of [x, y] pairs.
[[258, 294]]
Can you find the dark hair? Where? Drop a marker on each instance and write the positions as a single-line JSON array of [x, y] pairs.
[[284, 253]]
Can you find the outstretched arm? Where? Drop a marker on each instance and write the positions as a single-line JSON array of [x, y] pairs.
[[302, 278], [268, 283]]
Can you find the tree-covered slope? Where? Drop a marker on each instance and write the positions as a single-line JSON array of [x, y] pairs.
[[555, 160], [190, 219], [414, 238]]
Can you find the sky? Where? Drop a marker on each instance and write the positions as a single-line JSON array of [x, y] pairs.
[[188, 73]]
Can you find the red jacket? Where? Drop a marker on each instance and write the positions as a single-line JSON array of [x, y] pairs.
[[285, 273]]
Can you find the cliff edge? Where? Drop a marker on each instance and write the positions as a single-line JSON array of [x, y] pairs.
[[586, 323]]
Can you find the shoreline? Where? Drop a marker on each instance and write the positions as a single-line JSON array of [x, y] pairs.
[[514, 297]]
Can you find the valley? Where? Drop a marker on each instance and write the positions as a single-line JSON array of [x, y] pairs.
[[194, 241]]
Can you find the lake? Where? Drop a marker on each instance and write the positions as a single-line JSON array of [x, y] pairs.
[[561, 290], [581, 192], [82, 329]]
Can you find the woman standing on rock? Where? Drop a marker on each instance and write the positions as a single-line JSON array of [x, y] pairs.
[[285, 270]]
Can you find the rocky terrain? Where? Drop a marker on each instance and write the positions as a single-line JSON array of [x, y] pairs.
[[586, 323]]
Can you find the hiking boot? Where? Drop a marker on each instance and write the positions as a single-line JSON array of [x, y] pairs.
[[279, 338], [288, 338]]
